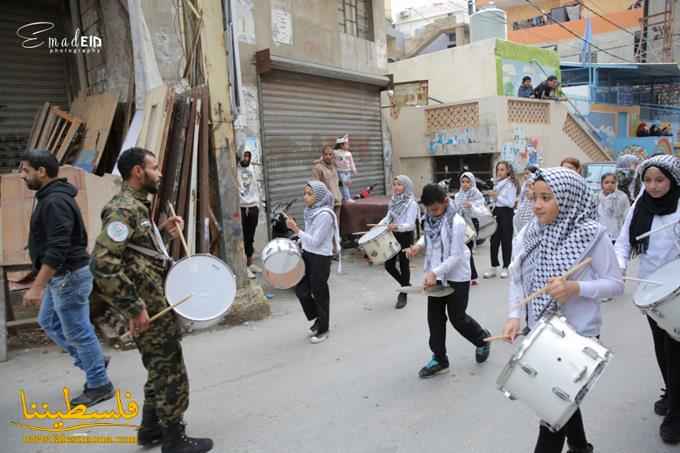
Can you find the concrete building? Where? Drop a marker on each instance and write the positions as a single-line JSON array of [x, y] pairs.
[[615, 27], [481, 121], [306, 73], [661, 28]]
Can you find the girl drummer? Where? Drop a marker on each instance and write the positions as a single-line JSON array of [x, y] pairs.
[[470, 203], [319, 239], [505, 193], [401, 218], [564, 234], [656, 207]]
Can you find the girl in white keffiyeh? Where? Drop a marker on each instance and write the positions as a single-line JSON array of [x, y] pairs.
[[505, 195], [564, 233], [469, 202], [401, 218], [612, 205]]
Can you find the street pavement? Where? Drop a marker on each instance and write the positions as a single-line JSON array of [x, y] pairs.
[[262, 387]]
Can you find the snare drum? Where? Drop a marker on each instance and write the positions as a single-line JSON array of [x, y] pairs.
[[211, 284], [379, 244], [552, 370], [283, 263], [662, 302], [487, 227]]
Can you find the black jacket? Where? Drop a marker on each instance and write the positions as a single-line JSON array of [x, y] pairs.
[[57, 236]]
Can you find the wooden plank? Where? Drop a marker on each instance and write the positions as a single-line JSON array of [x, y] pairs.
[[47, 129], [156, 118], [193, 191], [97, 113], [38, 124], [183, 186], [22, 322], [4, 300], [57, 133], [175, 152], [204, 177], [68, 138]]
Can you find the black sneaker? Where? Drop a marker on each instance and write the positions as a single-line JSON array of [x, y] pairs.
[[661, 405], [314, 329], [670, 429], [433, 368], [401, 301], [92, 396], [588, 449], [482, 352]]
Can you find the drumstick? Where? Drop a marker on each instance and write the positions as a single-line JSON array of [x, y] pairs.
[[651, 282], [650, 232], [496, 338], [181, 233], [566, 275], [371, 225], [167, 309]]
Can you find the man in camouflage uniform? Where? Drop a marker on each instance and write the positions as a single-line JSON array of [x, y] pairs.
[[129, 265]]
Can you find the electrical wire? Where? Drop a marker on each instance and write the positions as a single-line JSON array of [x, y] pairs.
[[537, 8], [580, 2]]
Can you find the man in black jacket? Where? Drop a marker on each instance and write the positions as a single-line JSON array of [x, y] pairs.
[[57, 245]]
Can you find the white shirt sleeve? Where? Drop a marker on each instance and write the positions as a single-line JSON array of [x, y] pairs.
[[409, 218], [457, 250], [622, 247], [322, 229], [507, 196], [478, 209], [515, 296], [609, 279]]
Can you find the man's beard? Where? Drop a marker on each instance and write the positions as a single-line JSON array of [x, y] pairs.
[[33, 184], [245, 163], [150, 186]]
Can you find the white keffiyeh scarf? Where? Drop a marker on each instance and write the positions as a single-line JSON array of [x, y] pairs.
[[399, 203]]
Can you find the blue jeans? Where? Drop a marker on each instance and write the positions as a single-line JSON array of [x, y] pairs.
[[65, 318], [346, 179]]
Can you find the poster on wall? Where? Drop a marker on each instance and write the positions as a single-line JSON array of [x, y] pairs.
[[282, 23], [522, 151]]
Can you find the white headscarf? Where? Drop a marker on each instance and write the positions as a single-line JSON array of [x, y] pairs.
[[555, 248], [470, 195], [324, 202], [399, 203]]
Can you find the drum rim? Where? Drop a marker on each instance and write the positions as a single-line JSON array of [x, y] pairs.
[[178, 309], [304, 269], [669, 296]]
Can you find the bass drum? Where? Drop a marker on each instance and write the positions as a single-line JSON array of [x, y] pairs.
[[283, 263], [211, 284]]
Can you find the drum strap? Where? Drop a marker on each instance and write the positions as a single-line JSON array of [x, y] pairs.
[[166, 260]]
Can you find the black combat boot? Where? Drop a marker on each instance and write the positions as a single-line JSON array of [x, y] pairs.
[[150, 433], [175, 440]]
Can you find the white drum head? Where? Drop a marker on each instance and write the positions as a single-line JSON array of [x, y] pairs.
[[281, 256], [649, 294], [208, 280], [372, 234]]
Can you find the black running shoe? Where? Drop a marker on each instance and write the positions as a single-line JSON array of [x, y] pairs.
[[482, 352], [401, 301], [433, 368], [670, 429], [661, 405], [588, 449]]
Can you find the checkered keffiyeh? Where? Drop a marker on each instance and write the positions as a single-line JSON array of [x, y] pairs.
[[555, 248], [399, 203], [669, 163]]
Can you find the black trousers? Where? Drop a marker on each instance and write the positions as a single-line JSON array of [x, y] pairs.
[[403, 274], [312, 291], [553, 442], [455, 304], [502, 237], [667, 352], [471, 246], [249, 217]]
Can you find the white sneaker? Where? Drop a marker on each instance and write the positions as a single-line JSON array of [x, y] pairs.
[[490, 273], [504, 273], [250, 273], [316, 339], [255, 268]]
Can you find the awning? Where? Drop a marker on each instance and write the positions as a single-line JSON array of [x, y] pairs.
[[265, 62]]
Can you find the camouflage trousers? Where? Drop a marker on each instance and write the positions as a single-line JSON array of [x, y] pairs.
[[167, 384]]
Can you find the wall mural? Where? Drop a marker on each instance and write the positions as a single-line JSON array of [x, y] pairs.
[[514, 61], [641, 146], [604, 124], [522, 151]]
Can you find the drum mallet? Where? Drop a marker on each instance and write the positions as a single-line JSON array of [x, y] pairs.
[[650, 232], [640, 280], [181, 233], [167, 309]]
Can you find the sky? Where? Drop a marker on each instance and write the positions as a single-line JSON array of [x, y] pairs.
[[399, 5]]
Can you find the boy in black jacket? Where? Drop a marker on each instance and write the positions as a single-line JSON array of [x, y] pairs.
[[57, 245]]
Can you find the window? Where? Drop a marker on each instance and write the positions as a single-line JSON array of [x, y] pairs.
[[355, 18]]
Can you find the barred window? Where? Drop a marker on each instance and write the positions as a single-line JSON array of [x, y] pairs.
[[355, 18]]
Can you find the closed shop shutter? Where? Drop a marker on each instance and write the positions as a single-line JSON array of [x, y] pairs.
[[29, 78], [302, 112]]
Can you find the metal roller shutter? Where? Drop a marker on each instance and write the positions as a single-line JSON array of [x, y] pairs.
[[29, 78], [299, 114]]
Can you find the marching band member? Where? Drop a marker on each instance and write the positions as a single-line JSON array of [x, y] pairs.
[[505, 192], [470, 202], [656, 207], [401, 218], [612, 205], [563, 234], [320, 237], [447, 263]]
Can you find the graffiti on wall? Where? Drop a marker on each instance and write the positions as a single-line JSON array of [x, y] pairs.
[[282, 22], [522, 151], [446, 141]]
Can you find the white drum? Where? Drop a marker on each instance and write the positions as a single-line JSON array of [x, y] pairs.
[[470, 233], [487, 227], [552, 370], [379, 244], [662, 302], [211, 284], [283, 263]]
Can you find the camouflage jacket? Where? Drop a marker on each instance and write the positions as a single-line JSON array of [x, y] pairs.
[[124, 278]]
